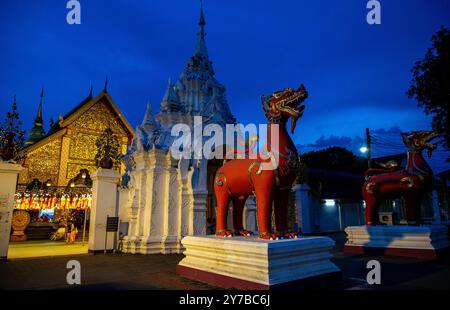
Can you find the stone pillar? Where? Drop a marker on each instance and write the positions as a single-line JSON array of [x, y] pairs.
[[104, 193], [200, 194], [133, 213], [124, 202], [184, 176], [186, 208], [8, 182], [436, 209], [250, 214], [140, 195], [156, 202], [199, 213], [305, 207], [135, 208], [171, 242]]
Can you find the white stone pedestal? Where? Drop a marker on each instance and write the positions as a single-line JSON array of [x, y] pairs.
[[252, 263], [104, 195], [423, 242], [8, 182]]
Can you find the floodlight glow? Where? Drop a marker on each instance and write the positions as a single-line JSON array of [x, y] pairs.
[[330, 202], [364, 149]]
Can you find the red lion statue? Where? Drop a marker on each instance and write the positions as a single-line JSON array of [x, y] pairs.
[[269, 177], [411, 183]]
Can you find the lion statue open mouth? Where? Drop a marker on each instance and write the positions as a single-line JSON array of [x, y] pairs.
[[239, 178]]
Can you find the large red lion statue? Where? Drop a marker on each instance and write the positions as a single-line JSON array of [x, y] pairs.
[[268, 177], [412, 182]]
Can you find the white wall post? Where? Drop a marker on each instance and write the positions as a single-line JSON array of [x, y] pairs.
[[305, 207], [250, 214], [200, 194], [436, 209], [8, 182], [104, 193], [199, 213]]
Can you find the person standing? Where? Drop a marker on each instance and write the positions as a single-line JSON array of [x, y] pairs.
[[73, 233]]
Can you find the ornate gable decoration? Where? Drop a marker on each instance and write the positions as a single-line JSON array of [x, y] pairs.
[[98, 118], [98, 114]]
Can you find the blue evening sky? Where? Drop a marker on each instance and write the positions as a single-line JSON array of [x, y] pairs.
[[356, 74]]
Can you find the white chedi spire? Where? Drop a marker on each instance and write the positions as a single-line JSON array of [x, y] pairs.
[[170, 101], [145, 132], [148, 117], [200, 48]]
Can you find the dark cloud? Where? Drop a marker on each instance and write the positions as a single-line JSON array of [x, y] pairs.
[[392, 131], [354, 143], [391, 135], [351, 143]]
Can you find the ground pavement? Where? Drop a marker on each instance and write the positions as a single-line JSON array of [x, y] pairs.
[[124, 271]]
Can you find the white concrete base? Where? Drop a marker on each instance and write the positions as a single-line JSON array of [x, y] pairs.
[[152, 245], [252, 263], [414, 241]]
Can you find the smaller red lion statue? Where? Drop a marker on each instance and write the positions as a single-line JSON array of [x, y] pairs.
[[410, 183], [239, 178]]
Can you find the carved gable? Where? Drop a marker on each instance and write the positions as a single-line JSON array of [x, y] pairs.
[[75, 148], [98, 118]]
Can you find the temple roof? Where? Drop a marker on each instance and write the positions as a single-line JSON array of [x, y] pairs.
[[58, 128], [37, 132]]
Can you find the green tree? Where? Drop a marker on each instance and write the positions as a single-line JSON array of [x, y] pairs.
[[11, 137], [430, 84]]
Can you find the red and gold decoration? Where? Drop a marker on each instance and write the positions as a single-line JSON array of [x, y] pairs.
[[239, 178], [410, 183], [19, 223], [52, 200]]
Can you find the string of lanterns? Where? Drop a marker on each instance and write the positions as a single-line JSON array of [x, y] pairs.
[[41, 201], [38, 195]]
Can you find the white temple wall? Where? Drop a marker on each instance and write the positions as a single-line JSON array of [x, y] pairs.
[[140, 184], [162, 206]]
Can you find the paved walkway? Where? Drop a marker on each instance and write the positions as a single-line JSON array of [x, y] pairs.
[[122, 271], [111, 271], [30, 249]]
